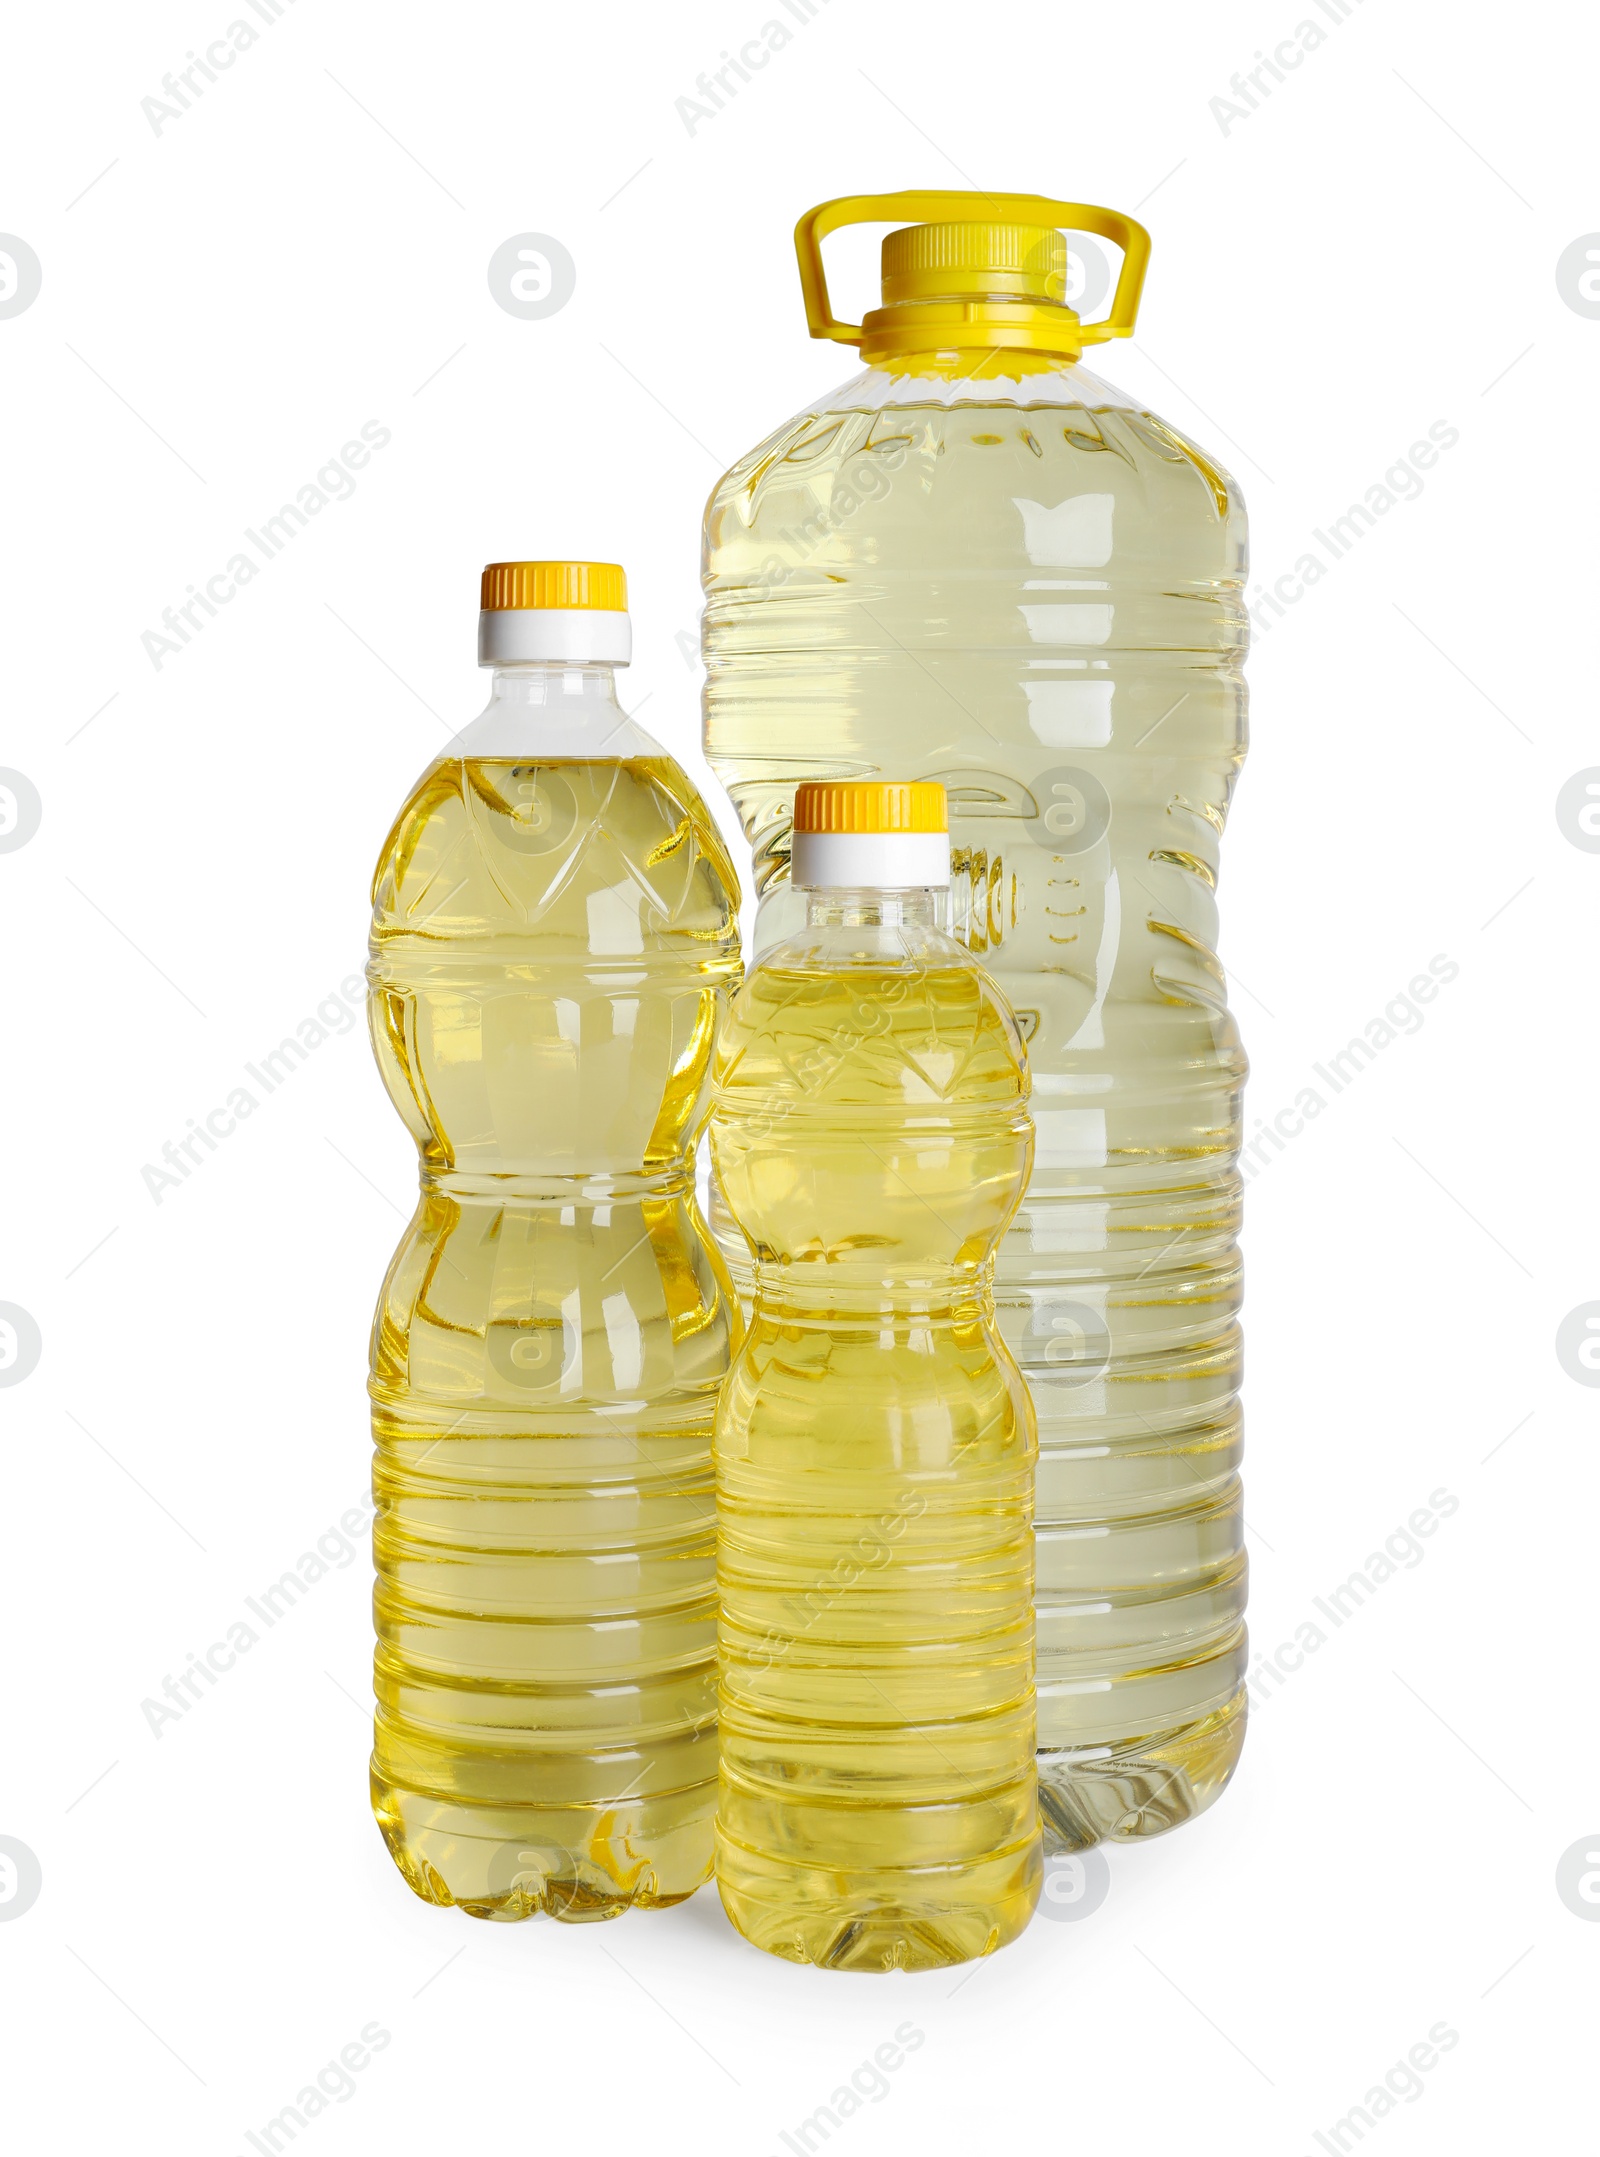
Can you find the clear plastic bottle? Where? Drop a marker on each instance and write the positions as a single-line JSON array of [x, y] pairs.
[[875, 1443], [977, 563], [554, 937]]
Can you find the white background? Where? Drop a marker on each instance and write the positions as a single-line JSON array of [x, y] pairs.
[[1369, 251]]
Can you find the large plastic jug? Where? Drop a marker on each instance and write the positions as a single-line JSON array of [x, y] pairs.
[[554, 935], [975, 562], [874, 1443]]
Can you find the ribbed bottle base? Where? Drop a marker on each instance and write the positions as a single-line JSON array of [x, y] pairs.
[[575, 1863], [1124, 1793], [891, 1920]]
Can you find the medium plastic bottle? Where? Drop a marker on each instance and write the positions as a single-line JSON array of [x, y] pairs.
[[975, 562], [875, 1443], [554, 936]]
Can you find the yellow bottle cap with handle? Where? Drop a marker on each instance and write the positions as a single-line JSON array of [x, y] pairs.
[[972, 273]]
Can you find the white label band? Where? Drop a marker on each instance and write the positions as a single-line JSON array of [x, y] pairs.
[[579, 635], [870, 860]]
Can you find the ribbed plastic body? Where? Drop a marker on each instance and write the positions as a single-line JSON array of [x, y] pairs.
[[875, 1455], [554, 936], [1031, 590]]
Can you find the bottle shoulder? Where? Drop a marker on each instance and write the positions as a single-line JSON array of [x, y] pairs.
[[612, 854], [582, 727], [1036, 439], [842, 1015]]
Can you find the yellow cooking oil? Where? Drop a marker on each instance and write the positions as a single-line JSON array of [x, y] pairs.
[[875, 1450], [554, 936]]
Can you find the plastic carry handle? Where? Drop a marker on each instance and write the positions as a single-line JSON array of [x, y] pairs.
[[963, 206]]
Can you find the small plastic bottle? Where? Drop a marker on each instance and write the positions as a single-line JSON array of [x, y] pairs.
[[875, 1443], [554, 937]]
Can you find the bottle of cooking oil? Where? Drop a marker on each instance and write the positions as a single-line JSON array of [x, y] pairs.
[[977, 563], [875, 1443], [554, 936]]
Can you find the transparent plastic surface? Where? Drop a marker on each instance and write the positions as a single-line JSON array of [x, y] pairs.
[[555, 932], [875, 1456], [1030, 589]]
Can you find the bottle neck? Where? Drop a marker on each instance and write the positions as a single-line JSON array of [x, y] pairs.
[[927, 340], [557, 709], [536, 684], [920, 906]]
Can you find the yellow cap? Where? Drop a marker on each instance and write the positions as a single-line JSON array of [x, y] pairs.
[[950, 261], [508, 586], [870, 805], [979, 272]]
